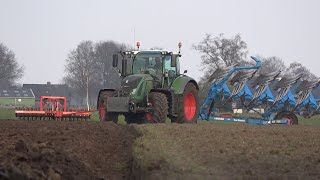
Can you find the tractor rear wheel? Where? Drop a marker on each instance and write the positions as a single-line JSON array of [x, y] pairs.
[[102, 107], [290, 116], [188, 105], [159, 104]]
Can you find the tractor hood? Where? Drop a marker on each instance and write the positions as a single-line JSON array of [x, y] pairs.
[[130, 82], [133, 85]]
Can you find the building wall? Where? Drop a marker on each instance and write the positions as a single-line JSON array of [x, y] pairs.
[[17, 101]]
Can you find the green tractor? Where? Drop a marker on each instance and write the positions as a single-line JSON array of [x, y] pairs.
[[152, 89]]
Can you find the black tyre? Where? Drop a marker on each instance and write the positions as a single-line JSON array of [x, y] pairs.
[[159, 104], [293, 119], [188, 108], [102, 107]]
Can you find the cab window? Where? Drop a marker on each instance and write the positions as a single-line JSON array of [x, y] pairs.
[[172, 73]]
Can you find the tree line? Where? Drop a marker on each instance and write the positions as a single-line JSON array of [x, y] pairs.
[[10, 70], [221, 51], [88, 67]]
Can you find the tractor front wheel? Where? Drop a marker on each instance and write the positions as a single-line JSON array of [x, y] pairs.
[[159, 114], [159, 104], [188, 105], [102, 107]]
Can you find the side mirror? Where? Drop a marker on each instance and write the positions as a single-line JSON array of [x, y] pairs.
[[171, 74], [124, 67], [115, 60], [173, 60]]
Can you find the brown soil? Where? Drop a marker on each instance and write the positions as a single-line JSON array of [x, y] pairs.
[[64, 150], [92, 150]]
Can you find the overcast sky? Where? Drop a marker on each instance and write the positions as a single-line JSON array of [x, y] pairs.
[[42, 32]]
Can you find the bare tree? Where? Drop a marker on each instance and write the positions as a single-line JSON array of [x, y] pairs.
[[218, 52], [10, 70], [296, 68], [221, 51], [82, 69], [108, 76], [271, 64], [89, 69]]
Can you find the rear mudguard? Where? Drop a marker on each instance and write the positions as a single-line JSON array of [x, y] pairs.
[[180, 83]]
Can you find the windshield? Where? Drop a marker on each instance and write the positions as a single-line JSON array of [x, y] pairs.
[[147, 63]]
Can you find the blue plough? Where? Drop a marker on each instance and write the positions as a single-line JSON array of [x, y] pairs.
[[279, 106]]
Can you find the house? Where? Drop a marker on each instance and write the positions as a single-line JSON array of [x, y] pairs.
[[48, 90], [16, 97]]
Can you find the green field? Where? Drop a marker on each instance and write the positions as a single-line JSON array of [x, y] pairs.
[[18, 101], [7, 113]]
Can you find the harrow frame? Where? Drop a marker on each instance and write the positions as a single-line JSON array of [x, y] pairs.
[[52, 108]]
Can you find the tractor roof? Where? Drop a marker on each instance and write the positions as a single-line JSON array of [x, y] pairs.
[[151, 51]]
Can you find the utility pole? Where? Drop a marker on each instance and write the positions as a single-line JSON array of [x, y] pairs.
[[134, 36], [105, 78]]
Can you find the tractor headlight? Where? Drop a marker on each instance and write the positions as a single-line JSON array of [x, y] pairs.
[[133, 91]]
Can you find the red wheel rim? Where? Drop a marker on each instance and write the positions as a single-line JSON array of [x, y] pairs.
[[190, 106], [289, 119], [148, 116], [102, 111]]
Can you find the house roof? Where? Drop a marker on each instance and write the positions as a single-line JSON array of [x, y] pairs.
[[16, 93], [48, 89]]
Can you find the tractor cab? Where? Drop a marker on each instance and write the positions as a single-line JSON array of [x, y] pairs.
[[162, 66]]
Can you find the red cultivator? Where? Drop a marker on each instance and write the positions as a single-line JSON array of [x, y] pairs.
[[52, 107]]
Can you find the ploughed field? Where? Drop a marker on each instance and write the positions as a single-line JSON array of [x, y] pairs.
[[94, 150], [64, 150]]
